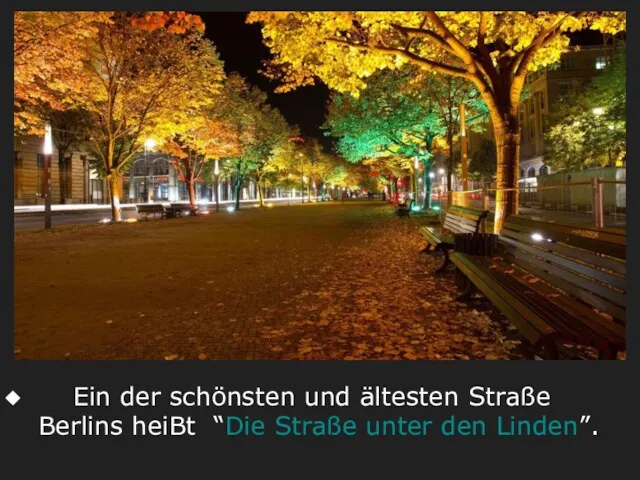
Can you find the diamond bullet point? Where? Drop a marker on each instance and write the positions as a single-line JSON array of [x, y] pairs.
[[13, 398]]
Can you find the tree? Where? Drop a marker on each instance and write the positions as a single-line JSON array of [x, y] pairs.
[[446, 95], [69, 132], [271, 134], [47, 50], [50, 47], [588, 126], [206, 135], [138, 83], [493, 50], [483, 162], [243, 108], [391, 118]]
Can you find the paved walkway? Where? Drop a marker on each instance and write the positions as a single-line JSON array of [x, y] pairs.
[[324, 281]]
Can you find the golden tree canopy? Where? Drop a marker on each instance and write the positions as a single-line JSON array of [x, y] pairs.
[[47, 48], [344, 48]]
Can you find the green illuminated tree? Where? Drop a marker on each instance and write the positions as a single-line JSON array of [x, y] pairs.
[[492, 49], [259, 128], [400, 114]]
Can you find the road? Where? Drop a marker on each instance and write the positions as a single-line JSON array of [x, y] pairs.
[[35, 221], [23, 222], [337, 280]]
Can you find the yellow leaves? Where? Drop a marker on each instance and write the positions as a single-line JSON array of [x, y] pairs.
[[313, 43], [391, 307]]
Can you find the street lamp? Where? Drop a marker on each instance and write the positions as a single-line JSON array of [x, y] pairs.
[[47, 150], [216, 173]]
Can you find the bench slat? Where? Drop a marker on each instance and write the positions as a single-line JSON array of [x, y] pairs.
[[462, 220], [576, 280], [589, 274], [610, 263], [528, 322], [590, 325], [613, 245], [602, 304]]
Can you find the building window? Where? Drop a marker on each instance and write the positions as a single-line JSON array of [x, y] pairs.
[[544, 170], [96, 190], [531, 172], [40, 180], [17, 175], [564, 88], [566, 63], [65, 173], [601, 63]]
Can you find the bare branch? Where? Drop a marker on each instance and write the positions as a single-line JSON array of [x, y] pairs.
[[414, 33], [412, 57]]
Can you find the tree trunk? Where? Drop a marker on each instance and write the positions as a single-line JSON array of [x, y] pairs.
[[507, 136], [450, 168], [396, 194], [191, 188], [237, 192], [426, 181], [260, 192], [112, 180]]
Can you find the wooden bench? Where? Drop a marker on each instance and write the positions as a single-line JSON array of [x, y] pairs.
[[175, 210], [556, 283], [457, 220], [404, 209], [146, 209]]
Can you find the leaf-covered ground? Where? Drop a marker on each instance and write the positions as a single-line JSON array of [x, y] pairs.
[[338, 281]]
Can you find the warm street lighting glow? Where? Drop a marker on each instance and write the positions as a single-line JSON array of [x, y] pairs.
[[416, 164], [598, 111], [441, 171], [48, 142], [536, 237], [149, 143]]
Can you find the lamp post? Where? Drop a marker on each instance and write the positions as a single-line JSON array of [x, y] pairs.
[[47, 150], [216, 173]]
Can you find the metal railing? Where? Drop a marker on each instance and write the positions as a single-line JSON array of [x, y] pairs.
[[598, 203]]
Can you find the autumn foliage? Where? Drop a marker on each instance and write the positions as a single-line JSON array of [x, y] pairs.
[[493, 50]]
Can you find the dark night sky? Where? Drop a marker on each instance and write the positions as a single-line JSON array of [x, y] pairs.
[[240, 47]]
